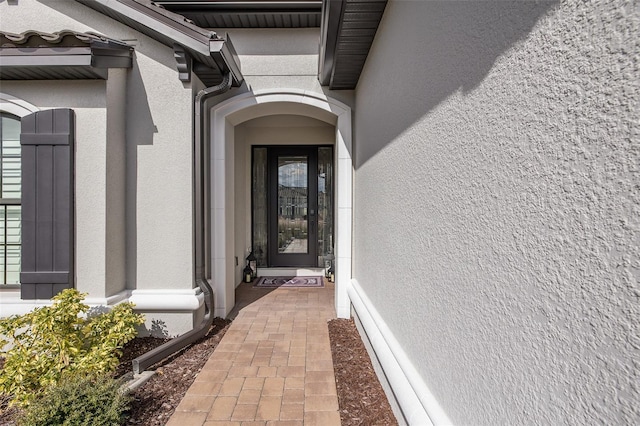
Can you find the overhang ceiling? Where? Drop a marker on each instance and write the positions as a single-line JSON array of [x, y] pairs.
[[347, 32], [65, 55], [248, 14]]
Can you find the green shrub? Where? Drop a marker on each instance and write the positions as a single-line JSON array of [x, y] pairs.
[[57, 339], [79, 400]]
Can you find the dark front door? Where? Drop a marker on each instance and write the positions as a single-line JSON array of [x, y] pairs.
[[293, 206]]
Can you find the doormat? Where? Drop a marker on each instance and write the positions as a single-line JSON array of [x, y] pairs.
[[290, 282]]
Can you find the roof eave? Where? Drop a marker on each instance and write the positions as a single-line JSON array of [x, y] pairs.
[[348, 28], [170, 29], [88, 61]]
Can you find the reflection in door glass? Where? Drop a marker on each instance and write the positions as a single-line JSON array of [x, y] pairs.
[[325, 203], [292, 204], [259, 195]]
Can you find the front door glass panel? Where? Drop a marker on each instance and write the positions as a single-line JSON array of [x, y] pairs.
[[293, 200]]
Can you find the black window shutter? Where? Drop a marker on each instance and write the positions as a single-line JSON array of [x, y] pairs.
[[47, 141]]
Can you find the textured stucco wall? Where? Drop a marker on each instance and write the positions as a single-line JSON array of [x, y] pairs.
[[158, 132], [497, 204], [134, 159]]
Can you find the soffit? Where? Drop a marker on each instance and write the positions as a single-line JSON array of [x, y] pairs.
[[347, 32], [248, 14], [65, 55]]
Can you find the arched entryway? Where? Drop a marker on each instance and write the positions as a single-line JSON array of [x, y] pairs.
[[225, 119]]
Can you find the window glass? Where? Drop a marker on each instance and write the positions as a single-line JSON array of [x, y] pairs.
[[10, 181], [259, 201]]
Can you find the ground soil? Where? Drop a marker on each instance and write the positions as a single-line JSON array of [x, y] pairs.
[[361, 398]]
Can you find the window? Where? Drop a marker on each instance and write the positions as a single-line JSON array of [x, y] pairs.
[[10, 181]]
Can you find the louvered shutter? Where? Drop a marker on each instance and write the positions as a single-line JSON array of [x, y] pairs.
[[47, 141]]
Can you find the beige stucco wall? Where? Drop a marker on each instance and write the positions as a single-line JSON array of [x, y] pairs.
[[497, 205], [134, 157], [277, 58], [273, 58]]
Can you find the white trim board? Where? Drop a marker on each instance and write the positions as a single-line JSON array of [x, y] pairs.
[[152, 300], [416, 401], [16, 106]]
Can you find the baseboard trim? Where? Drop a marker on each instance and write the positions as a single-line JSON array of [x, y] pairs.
[[417, 403]]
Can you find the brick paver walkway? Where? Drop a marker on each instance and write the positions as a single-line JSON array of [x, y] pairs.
[[272, 367]]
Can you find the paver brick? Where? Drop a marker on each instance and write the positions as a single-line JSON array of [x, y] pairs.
[[222, 408], [321, 403], [273, 366], [195, 403], [182, 418], [273, 386], [231, 386], [269, 408], [244, 412], [292, 412], [324, 418]]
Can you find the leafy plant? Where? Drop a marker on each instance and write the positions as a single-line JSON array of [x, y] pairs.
[[95, 400], [57, 339]]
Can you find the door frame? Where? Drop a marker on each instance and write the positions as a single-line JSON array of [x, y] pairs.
[[274, 257]]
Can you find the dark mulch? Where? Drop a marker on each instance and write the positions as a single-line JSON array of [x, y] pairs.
[[156, 400], [361, 398]]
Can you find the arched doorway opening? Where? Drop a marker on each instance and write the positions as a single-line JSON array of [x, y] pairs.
[[229, 123]]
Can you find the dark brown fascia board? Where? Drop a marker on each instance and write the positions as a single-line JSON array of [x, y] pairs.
[[159, 23], [45, 56], [170, 28], [329, 30], [65, 56]]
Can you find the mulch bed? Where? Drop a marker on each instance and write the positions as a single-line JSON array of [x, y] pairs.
[[156, 400], [361, 398]]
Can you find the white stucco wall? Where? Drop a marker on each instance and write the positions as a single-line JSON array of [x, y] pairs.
[[497, 206], [134, 135]]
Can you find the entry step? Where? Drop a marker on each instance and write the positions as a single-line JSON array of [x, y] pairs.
[[289, 272]]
